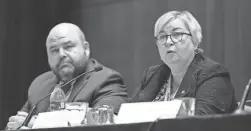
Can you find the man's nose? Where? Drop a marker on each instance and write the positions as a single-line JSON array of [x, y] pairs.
[[62, 52]]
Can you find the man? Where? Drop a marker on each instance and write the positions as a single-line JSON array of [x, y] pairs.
[[68, 56]]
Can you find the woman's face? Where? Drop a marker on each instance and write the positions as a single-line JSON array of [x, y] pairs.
[[180, 48]]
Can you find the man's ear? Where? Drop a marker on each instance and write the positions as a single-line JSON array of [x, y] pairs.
[[86, 47]]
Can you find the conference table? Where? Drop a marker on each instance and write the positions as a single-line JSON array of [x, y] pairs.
[[200, 123]]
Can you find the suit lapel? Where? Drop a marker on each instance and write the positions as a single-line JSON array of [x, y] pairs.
[[82, 81], [189, 79], [154, 84]]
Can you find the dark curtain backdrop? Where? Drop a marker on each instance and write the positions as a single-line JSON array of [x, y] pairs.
[[120, 33]]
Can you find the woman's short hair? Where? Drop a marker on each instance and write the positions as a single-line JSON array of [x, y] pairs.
[[190, 22]]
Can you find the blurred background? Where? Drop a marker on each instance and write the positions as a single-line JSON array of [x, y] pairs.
[[120, 33]]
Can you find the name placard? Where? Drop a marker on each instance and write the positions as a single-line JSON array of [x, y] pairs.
[[148, 111]]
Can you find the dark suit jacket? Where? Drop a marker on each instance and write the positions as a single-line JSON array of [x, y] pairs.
[[205, 80], [97, 88]]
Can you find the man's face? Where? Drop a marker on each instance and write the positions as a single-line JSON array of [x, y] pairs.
[[67, 54]]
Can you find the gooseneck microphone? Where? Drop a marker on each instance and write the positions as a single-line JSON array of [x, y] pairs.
[[30, 114], [240, 109]]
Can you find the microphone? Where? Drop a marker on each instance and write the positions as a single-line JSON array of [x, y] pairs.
[[31, 112], [240, 109]]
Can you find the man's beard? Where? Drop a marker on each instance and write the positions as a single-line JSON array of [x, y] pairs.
[[65, 73], [67, 70]]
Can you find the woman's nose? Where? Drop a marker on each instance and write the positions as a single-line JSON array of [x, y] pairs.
[[168, 40]]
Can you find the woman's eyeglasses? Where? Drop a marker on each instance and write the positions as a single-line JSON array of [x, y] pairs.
[[175, 38]]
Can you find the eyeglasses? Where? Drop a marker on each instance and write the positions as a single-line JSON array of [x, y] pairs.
[[175, 37]]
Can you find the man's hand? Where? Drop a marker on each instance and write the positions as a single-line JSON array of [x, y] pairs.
[[17, 120]]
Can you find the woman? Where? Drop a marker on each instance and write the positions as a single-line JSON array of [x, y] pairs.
[[185, 72]]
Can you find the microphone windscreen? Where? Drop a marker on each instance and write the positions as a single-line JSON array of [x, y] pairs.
[[98, 68]]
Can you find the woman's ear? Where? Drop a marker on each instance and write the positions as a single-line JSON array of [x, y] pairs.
[[196, 45]]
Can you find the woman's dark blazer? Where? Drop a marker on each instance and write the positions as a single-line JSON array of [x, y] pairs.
[[205, 80]]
